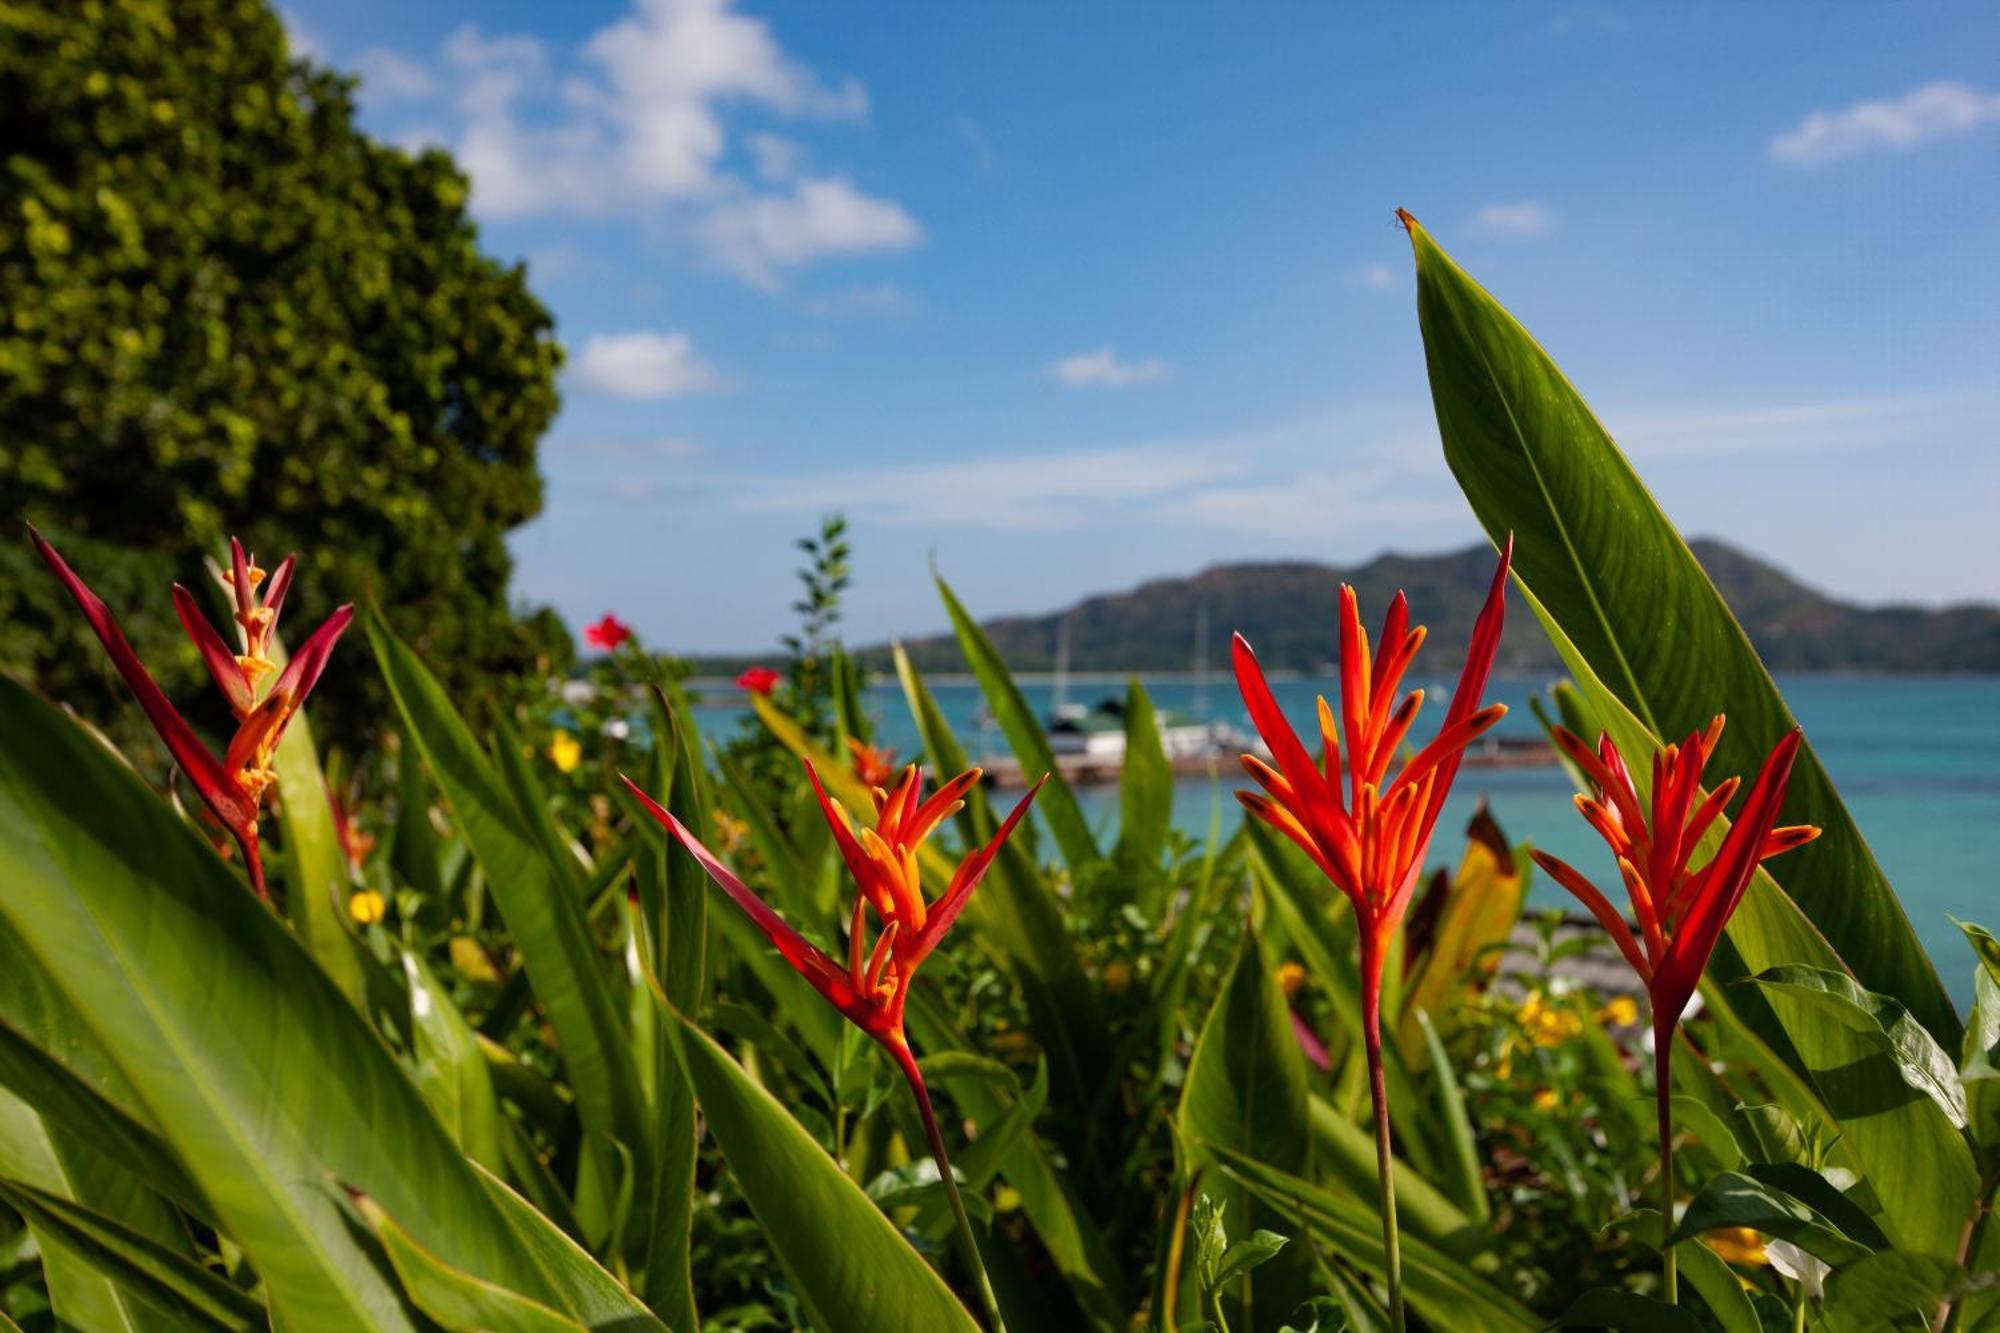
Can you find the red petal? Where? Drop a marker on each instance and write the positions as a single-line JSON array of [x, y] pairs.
[[858, 864], [280, 584], [1319, 802], [806, 958], [973, 869], [1600, 907], [1471, 681], [215, 654], [204, 771], [302, 672], [1725, 879]]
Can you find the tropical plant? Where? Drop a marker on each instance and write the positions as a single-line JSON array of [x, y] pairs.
[[486, 1059]]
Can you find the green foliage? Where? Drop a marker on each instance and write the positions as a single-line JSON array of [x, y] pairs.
[[230, 311]]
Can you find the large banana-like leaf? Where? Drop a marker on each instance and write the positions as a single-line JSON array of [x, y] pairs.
[[450, 1069], [315, 862], [1145, 792], [242, 1056], [847, 1264], [1246, 1090], [1017, 722], [158, 1286], [1607, 565], [543, 910]]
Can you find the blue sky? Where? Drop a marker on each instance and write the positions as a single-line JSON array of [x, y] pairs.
[[1075, 296]]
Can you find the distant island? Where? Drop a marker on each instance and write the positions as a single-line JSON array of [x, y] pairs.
[[1286, 608]]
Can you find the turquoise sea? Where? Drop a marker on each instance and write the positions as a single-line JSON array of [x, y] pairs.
[[1916, 758]]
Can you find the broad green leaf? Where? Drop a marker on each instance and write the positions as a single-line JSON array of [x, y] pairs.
[[450, 1069], [1892, 1289], [168, 1281], [847, 1264], [254, 1069], [1700, 1267], [457, 1300], [581, 1287], [1606, 564], [1462, 1176], [1246, 1090], [1883, 1023], [82, 1288], [1733, 1199], [1145, 788], [64, 1098], [1441, 1288], [1628, 1312], [1057, 803], [316, 878], [1979, 1065], [510, 756], [1713, 1132], [1244, 1255], [541, 907], [415, 852]]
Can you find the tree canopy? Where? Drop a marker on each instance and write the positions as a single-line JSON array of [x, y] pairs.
[[228, 310]]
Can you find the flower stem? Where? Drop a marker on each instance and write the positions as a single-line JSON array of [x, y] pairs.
[[1385, 1168], [968, 1242], [1663, 1095]]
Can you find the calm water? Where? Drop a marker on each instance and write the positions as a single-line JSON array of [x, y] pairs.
[[1917, 759]]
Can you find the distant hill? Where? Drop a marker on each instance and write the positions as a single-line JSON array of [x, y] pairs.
[[1287, 610]]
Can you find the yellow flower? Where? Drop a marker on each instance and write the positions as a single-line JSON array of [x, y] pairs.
[[367, 907], [565, 752], [1546, 1100], [730, 830], [1011, 1043], [1738, 1245], [1291, 976], [1621, 1012], [1117, 976], [1547, 1024]]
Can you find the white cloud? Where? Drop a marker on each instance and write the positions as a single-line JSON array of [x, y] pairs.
[[305, 43], [1835, 423], [644, 364], [1034, 491], [759, 236], [1315, 504], [1932, 111], [634, 126], [1513, 220], [1100, 368], [1375, 277], [388, 76]]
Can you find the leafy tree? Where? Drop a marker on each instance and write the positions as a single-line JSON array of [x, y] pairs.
[[226, 309]]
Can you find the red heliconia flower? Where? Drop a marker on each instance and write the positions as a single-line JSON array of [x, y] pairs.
[[874, 765], [610, 633], [1680, 910], [232, 787], [1370, 841], [758, 680], [871, 986]]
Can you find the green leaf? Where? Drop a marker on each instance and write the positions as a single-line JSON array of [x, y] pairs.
[[582, 1287], [316, 878], [848, 1265], [1462, 1174], [1443, 1289], [260, 1077], [1733, 1199], [1604, 563], [1627, 1311], [1700, 1267], [64, 1098], [541, 907], [1344, 1150], [510, 762], [1714, 1134], [1883, 1290], [450, 1069], [1245, 1255], [1145, 787], [1057, 803], [163, 1276], [1884, 1023], [415, 852], [455, 1299], [1246, 1091], [1979, 1065]]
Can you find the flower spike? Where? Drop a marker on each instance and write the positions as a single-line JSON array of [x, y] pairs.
[[1371, 838], [1680, 911], [233, 786]]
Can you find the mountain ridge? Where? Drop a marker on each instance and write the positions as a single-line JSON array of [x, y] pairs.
[[1286, 608]]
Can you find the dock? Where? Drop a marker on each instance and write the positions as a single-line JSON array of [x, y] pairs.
[[1003, 772]]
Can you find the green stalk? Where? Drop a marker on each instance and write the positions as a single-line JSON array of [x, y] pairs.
[[968, 1242], [1385, 1167], [1663, 1095]]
